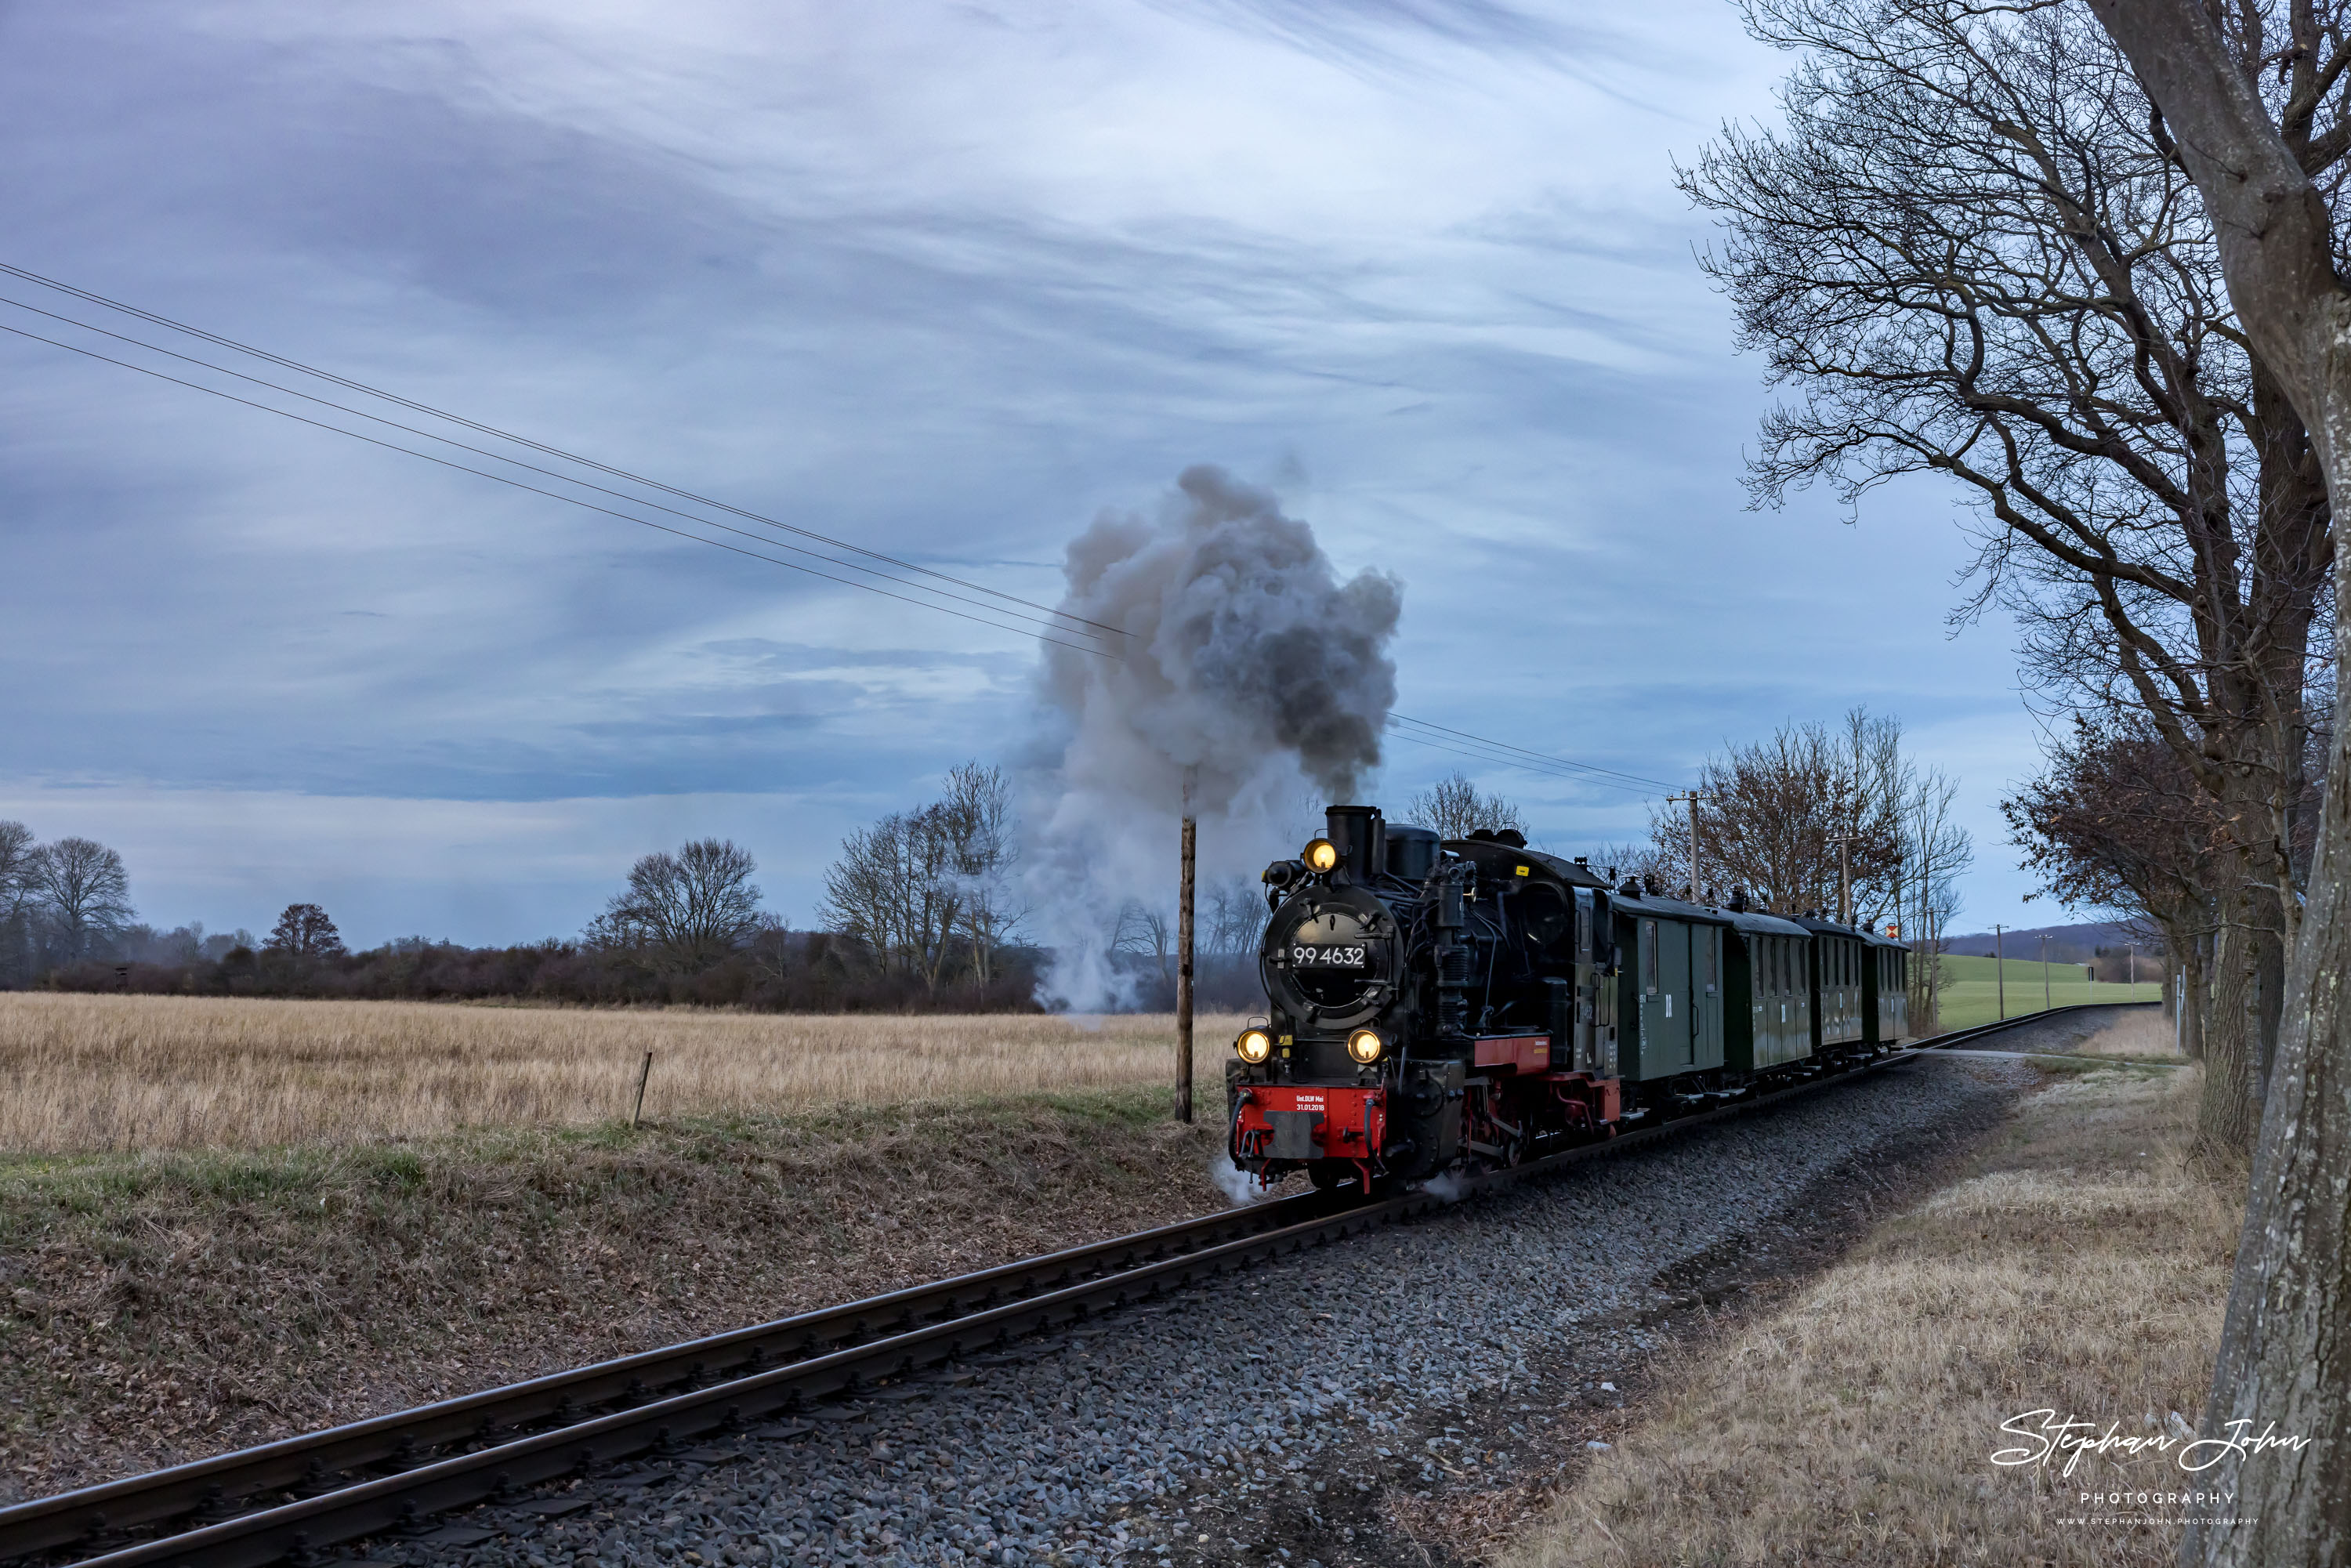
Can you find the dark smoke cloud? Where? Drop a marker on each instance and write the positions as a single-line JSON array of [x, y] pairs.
[[1242, 643], [1247, 666]]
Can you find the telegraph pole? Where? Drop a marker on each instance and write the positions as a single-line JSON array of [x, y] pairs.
[[1844, 880], [2045, 1003], [1998, 971], [1692, 798], [1184, 955]]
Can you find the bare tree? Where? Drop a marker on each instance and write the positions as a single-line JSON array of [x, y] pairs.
[[15, 864], [976, 816], [919, 887], [81, 893], [1456, 807], [686, 910], [1783, 818], [896, 888], [1146, 931], [1974, 253], [2114, 823], [1237, 916], [1935, 851], [2258, 122], [303, 931], [16, 903]]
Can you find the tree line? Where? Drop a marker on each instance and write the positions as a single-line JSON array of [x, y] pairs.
[[1794, 823], [1974, 250], [2084, 264], [61, 903], [921, 912]]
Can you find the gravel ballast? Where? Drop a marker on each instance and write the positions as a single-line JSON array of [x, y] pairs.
[[1271, 1418]]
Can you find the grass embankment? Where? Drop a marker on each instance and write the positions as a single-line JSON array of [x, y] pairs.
[[1972, 988], [158, 1307], [226, 1221], [89, 1073], [2079, 1268]]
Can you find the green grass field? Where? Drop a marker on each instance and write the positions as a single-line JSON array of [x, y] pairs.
[[1972, 988]]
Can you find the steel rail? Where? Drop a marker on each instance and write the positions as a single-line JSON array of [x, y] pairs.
[[727, 1380], [1960, 1036], [309, 1461]]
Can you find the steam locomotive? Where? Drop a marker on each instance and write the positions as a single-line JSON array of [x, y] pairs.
[[1436, 1004]]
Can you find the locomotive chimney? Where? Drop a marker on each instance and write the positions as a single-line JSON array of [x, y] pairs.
[[1362, 836]]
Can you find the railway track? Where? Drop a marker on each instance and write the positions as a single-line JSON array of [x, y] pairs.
[[393, 1474]]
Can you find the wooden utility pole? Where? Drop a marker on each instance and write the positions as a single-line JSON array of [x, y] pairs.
[[1692, 798], [2045, 1003], [1184, 954], [1845, 879], [2000, 969]]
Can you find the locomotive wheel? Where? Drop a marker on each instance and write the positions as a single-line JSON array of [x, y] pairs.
[[1328, 1174]]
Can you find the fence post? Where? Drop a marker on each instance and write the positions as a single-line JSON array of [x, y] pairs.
[[637, 1111]]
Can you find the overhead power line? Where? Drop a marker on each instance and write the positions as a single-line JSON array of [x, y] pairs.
[[1047, 620], [1479, 748], [501, 457], [1066, 620], [537, 490]]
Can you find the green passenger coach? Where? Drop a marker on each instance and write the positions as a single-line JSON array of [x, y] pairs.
[[1885, 991], [1708, 994]]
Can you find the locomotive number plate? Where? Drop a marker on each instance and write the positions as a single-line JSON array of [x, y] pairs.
[[1331, 957]]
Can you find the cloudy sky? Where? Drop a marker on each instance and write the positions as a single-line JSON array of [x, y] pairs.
[[945, 280]]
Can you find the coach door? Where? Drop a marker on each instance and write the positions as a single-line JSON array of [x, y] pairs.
[[1706, 997]]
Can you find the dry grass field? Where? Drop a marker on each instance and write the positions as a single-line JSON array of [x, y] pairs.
[[2144, 1035], [2080, 1267], [85, 1073]]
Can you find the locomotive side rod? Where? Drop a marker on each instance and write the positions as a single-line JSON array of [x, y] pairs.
[[831, 1354]]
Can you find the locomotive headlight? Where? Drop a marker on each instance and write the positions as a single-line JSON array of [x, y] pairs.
[[1254, 1046], [1322, 855], [1366, 1045]]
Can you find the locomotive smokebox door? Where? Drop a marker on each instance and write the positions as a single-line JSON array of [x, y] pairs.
[[1293, 1134]]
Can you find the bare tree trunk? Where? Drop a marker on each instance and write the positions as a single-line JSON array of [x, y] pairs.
[[2268, 1001], [2285, 1359], [2227, 1119]]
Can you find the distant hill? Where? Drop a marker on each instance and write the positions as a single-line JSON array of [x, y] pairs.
[[2067, 943]]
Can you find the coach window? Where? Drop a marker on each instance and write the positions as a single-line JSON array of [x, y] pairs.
[[1650, 955], [1713, 947]]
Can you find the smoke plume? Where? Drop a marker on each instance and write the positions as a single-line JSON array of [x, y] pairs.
[[1246, 666]]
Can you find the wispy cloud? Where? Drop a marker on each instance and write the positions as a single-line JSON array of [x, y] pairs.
[[941, 279]]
